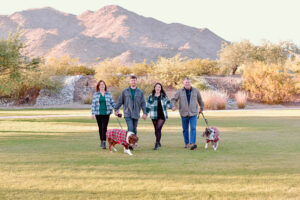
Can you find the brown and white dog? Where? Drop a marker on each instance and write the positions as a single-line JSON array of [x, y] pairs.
[[212, 136], [119, 136]]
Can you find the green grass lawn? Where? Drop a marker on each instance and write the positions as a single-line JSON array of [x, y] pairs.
[[59, 158]]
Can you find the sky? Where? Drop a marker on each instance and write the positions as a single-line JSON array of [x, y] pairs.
[[233, 20]]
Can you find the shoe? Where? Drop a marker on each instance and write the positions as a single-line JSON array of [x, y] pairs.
[[186, 146], [131, 148], [101, 145], [156, 146], [193, 147], [159, 144], [104, 145]]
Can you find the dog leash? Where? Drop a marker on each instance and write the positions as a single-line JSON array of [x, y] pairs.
[[119, 116], [206, 122]]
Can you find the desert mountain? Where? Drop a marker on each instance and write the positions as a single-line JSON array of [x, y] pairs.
[[110, 32]]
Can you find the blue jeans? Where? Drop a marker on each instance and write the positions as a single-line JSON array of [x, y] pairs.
[[185, 126], [131, 124]]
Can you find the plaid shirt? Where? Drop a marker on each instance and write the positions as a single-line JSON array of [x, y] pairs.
[[117, 135], [110, 104], [151, 106]]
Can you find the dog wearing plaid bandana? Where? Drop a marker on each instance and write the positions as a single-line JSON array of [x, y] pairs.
[[119, 136]]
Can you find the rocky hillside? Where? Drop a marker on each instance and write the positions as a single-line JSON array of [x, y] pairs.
[[110, 32]]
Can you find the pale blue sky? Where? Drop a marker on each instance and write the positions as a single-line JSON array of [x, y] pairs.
[[274, 20]]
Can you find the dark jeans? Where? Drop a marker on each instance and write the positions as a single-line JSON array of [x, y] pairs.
[[131, 124], [158, 124], [102, 121]]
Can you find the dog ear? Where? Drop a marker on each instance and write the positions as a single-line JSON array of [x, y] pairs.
[[133, 139]]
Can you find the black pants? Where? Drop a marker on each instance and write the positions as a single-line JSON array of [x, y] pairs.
[[102, 121], [158, 124]]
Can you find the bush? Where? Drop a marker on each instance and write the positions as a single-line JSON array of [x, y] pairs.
[[88, 99], [64, 66], [208, 99], [16, 68], [200, 67], [268, 83], [143, 84], [214, 99], [221, 100], [199, 83], [293, 67], [32, 81], [170, 72], [112, 72], [141, 69], [80, 70], [241, 99]]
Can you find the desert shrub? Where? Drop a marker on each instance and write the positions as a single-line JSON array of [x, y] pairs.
[[88, 99], [293, 67], [241, 99], [199, 67], [268, 83], [64, 66], [199, 83], [214, 99], [36, 80], [146, 85], [208, 99], [141, 69], [170, 72], [81, 70], [235, 54], [112, 72], [19, 73], [221, 100]]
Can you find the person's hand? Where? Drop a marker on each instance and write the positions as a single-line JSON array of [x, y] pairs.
[[201, 110], [93, 117], [144, 116], [174, 108]]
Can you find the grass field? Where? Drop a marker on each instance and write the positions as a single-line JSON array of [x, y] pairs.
[[60, 158]]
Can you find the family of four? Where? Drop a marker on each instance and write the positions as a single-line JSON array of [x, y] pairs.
[[133, 101]]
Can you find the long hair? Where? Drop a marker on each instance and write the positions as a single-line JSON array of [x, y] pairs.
[[162, 91], [98, 86]]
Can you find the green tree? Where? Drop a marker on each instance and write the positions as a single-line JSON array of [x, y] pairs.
[[12, 60], [235, 54], [14, 64]]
